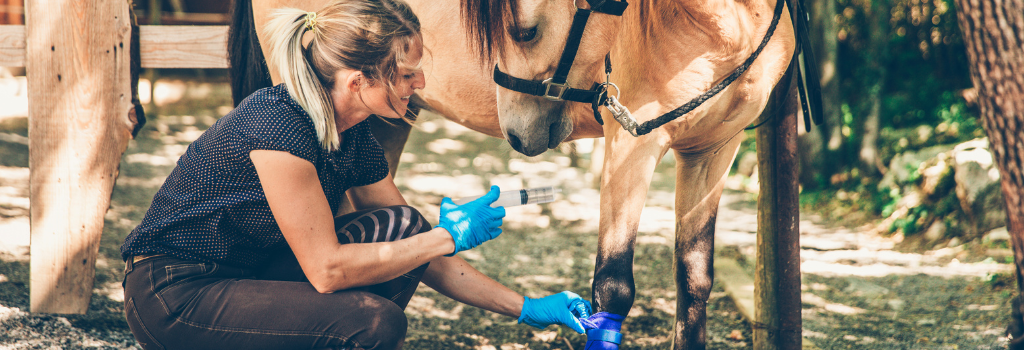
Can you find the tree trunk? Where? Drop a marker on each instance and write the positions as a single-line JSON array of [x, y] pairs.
[[992, 35], [878, 27]]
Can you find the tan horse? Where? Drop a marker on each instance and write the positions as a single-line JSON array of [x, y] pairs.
[[665, 52]]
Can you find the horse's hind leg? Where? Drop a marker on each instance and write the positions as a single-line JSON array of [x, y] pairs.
[[699, 182]]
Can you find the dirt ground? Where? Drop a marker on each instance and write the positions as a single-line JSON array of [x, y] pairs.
[[858, 292]]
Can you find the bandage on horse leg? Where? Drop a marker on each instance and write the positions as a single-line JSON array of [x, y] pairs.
[[603, 331]]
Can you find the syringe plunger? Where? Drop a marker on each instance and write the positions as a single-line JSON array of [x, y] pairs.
[[518, 197]]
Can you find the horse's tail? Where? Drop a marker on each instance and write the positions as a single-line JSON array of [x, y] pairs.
[[246, 65]]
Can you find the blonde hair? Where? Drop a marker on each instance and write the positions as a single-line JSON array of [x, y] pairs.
[[371, 36]]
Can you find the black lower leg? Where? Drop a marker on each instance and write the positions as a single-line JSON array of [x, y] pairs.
[[613, 283], [694, 279]]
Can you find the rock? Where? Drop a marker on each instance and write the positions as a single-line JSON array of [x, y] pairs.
[[896, 304], [937, 177], [953, 242], [936, 231], [906, 163], [999, 234], [926, 322], [977, 184], [747, 164]]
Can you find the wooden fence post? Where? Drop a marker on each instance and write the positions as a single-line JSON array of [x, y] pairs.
[[777, 323], [80, 121]]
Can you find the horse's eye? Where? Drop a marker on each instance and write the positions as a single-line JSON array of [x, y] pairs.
[[523, 35]]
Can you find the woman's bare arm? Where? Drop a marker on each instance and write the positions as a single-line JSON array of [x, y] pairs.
[[300, 208], [381, 194], [458, 280]]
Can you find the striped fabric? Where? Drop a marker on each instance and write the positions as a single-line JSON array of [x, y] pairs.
[[386, 224]]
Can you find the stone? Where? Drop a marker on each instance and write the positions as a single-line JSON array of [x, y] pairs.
[[936, 231], [936, 178], [896, 304], [955, 241], [999, 234], [977, 184], [747, 164], [902, 165]]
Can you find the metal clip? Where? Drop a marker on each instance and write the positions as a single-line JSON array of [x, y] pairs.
[[621, 114], [553, 91]]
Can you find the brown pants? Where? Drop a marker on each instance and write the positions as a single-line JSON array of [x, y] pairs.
[[172, 303]]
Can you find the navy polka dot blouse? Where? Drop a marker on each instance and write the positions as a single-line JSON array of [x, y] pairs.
[[212, 207]]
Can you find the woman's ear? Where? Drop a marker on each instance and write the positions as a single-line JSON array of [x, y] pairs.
[[350, 79], [355, 82]]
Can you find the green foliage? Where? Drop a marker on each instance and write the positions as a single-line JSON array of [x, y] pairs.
[[908, 58]]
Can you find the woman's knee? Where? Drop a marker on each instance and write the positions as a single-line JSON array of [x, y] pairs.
[[415, 218], [385, 322]]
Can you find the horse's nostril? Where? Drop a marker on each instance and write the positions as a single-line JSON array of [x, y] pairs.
[[515, 142]]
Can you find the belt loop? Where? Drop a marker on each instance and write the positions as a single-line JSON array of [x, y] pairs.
[[127, 269], [129, 265]]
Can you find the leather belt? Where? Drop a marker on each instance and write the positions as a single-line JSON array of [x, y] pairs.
[[138, 258]]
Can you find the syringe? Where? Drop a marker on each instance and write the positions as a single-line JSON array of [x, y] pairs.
[[518, 197]]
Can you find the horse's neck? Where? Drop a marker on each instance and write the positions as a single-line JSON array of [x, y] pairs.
[[717, 19], [673, 50]]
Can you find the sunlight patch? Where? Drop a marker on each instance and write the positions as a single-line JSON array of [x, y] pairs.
[[424, 307], [815, 300]]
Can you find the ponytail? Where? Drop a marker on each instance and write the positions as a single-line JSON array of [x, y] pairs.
[[286, 28]]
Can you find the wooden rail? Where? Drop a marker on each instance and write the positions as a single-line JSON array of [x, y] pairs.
[[12, 46], [160, 46]]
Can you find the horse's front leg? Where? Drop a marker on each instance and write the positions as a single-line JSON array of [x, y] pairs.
[[700, 178], [628, 169]]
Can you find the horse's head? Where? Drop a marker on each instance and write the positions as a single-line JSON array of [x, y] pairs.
[[526, 39]]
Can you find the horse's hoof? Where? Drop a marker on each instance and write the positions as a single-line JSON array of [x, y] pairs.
[[603, 331]]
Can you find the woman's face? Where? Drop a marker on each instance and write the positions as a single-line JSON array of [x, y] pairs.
[[406, 82]]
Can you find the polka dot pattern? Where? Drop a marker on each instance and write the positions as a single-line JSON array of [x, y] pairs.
[[212, 207]]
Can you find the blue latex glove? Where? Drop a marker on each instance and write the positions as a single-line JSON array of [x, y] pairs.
[[473, 223], [563, 308]]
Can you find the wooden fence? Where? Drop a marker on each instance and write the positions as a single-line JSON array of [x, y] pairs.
[[80, 120]]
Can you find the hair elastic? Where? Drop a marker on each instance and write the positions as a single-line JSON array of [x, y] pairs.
[[310, 20]]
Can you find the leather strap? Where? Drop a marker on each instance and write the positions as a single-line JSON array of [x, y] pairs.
[[555, 88], [655, 123], [572, 45], [539, 88], [138, 258], [614, 8]]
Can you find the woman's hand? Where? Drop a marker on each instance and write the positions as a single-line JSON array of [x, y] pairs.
[[473, 223], [566, 308]]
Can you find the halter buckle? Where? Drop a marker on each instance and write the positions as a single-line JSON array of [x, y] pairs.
[[558, 89]]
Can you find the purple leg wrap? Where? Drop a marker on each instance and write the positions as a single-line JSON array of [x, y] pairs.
[[603, 331]]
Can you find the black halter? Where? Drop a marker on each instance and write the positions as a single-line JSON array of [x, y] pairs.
[[554, 88]]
